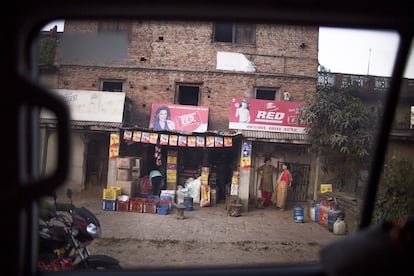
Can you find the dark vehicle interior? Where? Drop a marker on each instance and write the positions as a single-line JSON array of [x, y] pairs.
[[23, 185]]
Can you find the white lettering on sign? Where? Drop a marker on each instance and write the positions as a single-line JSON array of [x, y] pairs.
[[270, 117], [187, 119]]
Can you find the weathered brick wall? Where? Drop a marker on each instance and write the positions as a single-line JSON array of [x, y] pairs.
[[183, 52]]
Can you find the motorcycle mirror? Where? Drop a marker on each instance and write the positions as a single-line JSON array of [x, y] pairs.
[[69, 193]]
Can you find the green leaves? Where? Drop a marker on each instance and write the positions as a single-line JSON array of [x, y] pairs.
[[395, 197], [342, 129], [340, 121]]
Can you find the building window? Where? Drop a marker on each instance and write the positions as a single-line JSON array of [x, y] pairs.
[[115, 26], [266, 94], [243, 34], [112, 86], [187, 94]]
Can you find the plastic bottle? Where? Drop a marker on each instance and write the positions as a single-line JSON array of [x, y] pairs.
[[298, 215]]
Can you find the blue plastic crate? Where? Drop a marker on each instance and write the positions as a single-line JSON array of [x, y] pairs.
[[108, 205], [162, 209], [165, 197]]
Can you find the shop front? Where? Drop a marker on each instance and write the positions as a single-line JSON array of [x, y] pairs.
[[94, 116], [271, 129], [182, 156]]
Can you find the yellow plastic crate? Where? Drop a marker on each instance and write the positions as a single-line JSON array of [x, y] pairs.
[[111, 193]]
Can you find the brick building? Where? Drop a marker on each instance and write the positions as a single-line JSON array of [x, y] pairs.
[[197, 64]]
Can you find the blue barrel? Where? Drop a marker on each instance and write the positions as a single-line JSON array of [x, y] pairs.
[[317, 207], [188, 203], [298, 215]]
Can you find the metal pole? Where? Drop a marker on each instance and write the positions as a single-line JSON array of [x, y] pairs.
[[315, 187]]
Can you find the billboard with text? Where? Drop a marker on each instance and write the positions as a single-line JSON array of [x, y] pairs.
[[265, 115]]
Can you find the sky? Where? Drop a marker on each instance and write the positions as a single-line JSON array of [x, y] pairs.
[[362, 52], [347, 51]]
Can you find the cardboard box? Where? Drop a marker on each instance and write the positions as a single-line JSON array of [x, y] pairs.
[[124, 174], [135, 173], [138, 163], [127, 187], [125, 162]]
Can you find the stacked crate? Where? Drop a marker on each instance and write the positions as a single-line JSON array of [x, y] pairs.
[[125, 170], [109, 197], [136, 204], [151, 204], [122, 203], [167, 200]]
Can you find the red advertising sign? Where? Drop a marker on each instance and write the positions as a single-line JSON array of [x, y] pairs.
[[179, 117], [264, 115]]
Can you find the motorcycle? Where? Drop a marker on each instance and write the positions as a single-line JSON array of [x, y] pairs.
[[64, 238]]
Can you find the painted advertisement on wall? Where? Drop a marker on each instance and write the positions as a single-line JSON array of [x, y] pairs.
[[95, 106], [187, 118], [265, 115]]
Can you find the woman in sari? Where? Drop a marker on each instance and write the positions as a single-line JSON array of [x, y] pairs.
[[284, 181]]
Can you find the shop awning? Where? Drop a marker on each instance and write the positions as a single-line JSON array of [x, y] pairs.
[[275, 137]]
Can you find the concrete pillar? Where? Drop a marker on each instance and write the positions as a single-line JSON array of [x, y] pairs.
[[244, 180], [111, 173], [244, 177]]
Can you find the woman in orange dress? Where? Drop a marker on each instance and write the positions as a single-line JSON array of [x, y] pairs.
[[284, 181]]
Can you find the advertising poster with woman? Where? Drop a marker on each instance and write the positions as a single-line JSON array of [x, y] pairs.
[[170, 117], [265, 115]]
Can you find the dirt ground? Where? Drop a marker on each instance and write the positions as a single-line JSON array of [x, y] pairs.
[[206, 237]]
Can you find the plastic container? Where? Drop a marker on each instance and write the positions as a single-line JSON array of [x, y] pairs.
[[317, 211], [312, 213], [323, 212], [311, 210], [333, 215], [298, 213], [188, 203], [339, 227], [165, 197], [163, 209], [123, 198]]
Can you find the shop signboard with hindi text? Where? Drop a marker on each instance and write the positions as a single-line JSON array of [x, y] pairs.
[[265, 115]]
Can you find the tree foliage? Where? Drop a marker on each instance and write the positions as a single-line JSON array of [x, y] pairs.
[[395, 197], [341, 130]]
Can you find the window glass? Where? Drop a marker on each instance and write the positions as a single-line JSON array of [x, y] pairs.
[[394, 200], [309, 97], [235, 33]]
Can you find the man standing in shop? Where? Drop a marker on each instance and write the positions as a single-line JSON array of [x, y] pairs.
[[155, 177]]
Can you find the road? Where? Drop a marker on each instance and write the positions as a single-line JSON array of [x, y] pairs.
[[206, 237]]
